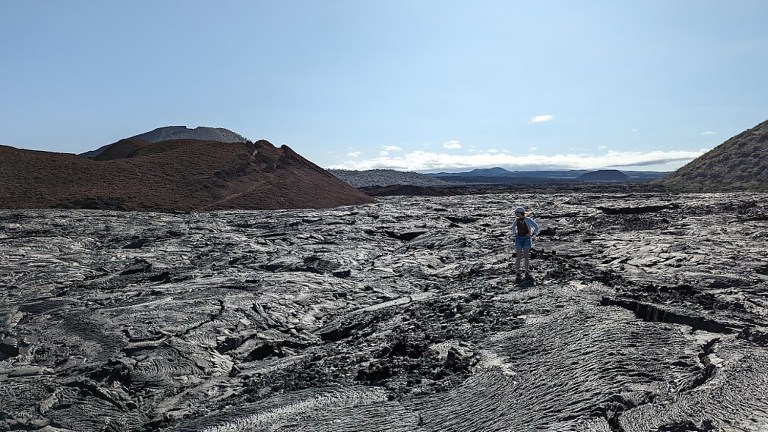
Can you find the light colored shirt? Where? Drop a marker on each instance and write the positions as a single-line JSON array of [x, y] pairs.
[[533, 227]]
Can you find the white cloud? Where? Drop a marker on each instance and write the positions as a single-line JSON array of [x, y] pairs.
[[533, 148], [432, 161], [452, 144], [541, 118], [354, 154], [602, 147], [709, 133], [387, 149]]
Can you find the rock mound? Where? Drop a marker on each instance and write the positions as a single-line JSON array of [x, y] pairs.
[[740, 163], [184, 133], [603, 176], [178, 175]]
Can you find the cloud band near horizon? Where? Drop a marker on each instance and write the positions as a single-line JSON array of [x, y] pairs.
[[431, 161]]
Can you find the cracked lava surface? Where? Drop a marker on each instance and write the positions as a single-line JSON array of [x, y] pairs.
[[647, 312]]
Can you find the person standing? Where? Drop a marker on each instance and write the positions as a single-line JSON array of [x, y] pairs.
[[524, 228]]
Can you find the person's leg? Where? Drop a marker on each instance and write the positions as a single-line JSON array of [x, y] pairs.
[[518, 256], [527, 255]]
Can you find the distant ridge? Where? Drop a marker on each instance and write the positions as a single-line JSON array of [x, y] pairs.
[[168, 133], [740, 163], [489, 172], [603, 176], [389, 177], [478, 172]]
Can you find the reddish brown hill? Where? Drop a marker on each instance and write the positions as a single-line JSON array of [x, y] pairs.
[[740, 163], [185, 175]]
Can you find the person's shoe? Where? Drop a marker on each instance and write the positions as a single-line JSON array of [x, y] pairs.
[[528, 276], [518, 278]]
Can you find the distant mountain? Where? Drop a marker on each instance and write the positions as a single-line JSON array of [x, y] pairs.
[[180, 133], [489, 172], [740, 163], [603, 176], [386, 177], [489, 176], [184, 175], [502, 176], [477, 172]]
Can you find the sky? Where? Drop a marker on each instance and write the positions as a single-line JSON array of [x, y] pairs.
[[417, 85]]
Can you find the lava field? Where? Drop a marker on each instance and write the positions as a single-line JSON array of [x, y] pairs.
[[647, 312]]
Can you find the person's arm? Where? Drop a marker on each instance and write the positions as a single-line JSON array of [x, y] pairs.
[[534, 226]]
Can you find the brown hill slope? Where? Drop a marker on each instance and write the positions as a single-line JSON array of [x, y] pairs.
[[740, 163], [122, 149], [185, 175]]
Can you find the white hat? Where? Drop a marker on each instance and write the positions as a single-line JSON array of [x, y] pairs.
[[520, 210]]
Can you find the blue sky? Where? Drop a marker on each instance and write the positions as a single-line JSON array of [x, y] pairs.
[[411, 85]]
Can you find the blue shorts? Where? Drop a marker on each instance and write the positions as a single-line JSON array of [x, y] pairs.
[[522, 242]]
